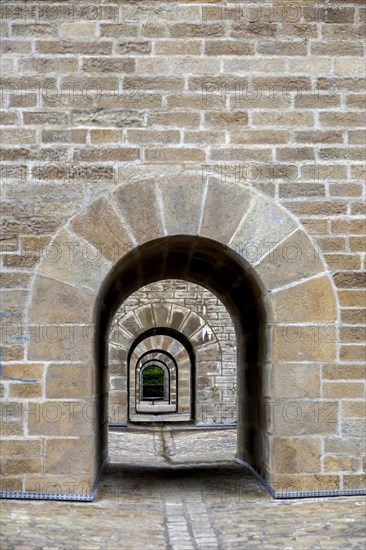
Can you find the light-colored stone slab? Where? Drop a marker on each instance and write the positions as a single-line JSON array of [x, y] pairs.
[[69, 456], [79, 263], [297, 455], [69, 381], [63, 343], [101, 226], [302, 343], [62, 418], [56, 302], [308, 301], [294, 259], [139, 205], [161, 314], [293, 380], [130, 323], [253, 239], [296, 417], [224, 208], [182, 200]]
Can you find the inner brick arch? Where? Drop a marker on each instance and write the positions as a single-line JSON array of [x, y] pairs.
[[285, 294]]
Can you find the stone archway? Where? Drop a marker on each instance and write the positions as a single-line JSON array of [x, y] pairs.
[[178, 367], [290, 291], [190, 326]]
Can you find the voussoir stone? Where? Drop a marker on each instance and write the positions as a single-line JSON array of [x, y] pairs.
[[224, 208], [182, 201], [79, 263], [57, 302], [253, 239], [139, 206], [293, 259], [309, 301], [101, 226]]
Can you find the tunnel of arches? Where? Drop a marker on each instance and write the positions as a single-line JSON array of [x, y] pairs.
[[222, 271]]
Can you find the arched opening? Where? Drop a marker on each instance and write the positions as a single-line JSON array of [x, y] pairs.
[[222, 271], [154, 382], [175, 355], [276, 305]]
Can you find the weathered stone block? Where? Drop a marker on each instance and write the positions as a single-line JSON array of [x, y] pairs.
[[291, 380], [69, 304], [296, 417], [62, 343], [69, 381], [21, 466], [341, 464], [302, 343], [307, 302], [178, 197], [69, 456], [252, 240], [310, 482], [297, 455], [294, 259], [79, 263], [67, 484], [222, 213], [128, 201], [103, 228], [62, 418]]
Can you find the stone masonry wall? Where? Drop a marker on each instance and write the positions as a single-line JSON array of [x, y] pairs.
[[94, 94], [219, 387]]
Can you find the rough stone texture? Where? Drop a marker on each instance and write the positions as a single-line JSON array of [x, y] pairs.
[[61, 343], [311, 301], [58, 302], [254, 240], [60, 418], [204, 320], [294, 259], [68, 457], [102, 227], [222, 214], [302, 343], [296, 380], [127, 201], [79, 265], [178, 196], [68, 381], [159, 99], [295, 456]]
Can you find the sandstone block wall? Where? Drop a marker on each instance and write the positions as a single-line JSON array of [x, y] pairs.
[[267, 95]]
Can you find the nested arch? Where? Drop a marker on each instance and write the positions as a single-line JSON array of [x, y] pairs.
[[204, 232], [170, 352], [154, 380], [154, 373], [172, 327]]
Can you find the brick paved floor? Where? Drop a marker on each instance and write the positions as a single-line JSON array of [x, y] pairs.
[[177, 506]]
